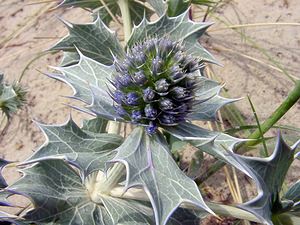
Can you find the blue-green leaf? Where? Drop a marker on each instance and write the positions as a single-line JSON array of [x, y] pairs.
[[61, 198], [137, 9], [214, 143], [293, 192], [210, 101], [86, 150], [88, 78], [176, 7], [179, 28], [158, 5], [269, 174], [150, 165], [95, 40], [96, 125]]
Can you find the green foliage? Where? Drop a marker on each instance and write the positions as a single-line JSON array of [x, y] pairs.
[[83, 148], [150, 165], [137, 9], [94, 40], [12, 97], [269, 174], [177, 7], [62, 198]]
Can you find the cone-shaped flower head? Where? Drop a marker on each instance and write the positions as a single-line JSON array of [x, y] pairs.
[[155, 84]]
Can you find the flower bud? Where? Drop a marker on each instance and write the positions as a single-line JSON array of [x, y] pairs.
[[167, 119], [150, 111], [148, 94], [139, 78], [165, 104], [162, 85], [165, 46], [179, 93], [119, 96], [176, 73], [132, 98], [136, 115], [151, 128], [124, 80], [156, 65]]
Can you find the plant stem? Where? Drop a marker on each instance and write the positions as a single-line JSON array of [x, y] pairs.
[[108, 182], [285, 106], [291, 99], [124, 7]]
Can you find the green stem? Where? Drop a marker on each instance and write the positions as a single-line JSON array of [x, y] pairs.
[[124, 7], [285, 106], [291, 99]]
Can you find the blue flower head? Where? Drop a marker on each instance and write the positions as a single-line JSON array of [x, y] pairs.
[[155, 84]]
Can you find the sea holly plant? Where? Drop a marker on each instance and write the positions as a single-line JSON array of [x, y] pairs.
[[154, 85]]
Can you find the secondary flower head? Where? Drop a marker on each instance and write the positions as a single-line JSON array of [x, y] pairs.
[[155, 84]]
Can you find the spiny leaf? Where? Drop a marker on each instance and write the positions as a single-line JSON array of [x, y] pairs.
[[86, 150], [269, 174], [69, 58], [150, 165], [210, 142], [176, 7], [61, 198], [210, 101], [103, 14], [88, 79], [186, 217], [96, 125], [122, 210], [158, 5], [293, 192], [179, 28], [137, 10], [94, 40]]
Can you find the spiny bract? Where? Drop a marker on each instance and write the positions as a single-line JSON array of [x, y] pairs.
[[155, 84]]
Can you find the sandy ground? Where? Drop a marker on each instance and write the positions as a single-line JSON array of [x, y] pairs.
[[38, 30]]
